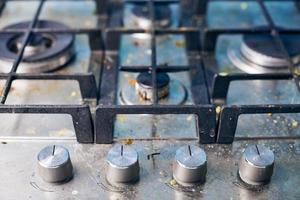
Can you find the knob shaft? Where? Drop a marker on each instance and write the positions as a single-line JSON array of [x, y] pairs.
[[190, 165], [54, 164], [123, 165], [256, 165]]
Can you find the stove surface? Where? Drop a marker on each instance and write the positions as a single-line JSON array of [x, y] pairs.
[[216, 97]]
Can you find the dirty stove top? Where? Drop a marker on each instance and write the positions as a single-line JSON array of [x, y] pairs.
[[138, 99]]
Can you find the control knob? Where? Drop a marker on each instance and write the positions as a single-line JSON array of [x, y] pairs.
[[190, 165], [54, 164], [123, 165], [256, 165]]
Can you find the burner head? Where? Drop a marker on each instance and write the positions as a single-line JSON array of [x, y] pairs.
[[142, 19], [260, 54], [37, 44], [44, 52], [170, 91], [144, 85]]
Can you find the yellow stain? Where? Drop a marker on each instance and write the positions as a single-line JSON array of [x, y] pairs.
[[127, 141]]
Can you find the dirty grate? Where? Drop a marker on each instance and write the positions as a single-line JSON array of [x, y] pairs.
[[81, 115], [200, 45], [202, 40]]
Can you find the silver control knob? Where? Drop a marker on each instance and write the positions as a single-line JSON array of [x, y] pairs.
[[256, 165], [54, 164], [190, 165], [123, 165]]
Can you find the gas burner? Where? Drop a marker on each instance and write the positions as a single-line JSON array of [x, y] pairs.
[[141, 16], [144, 87], [260, 54], [45, 51], [170, 91]]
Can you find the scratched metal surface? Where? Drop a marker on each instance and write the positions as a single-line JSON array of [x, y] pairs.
[[20, 144], [246, 14], [175, 10], [20, 180], [59, 92], [76, 14], [135, 52]]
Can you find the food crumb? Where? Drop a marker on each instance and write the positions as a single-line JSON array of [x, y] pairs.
[[295, 124], [131, 81], [163, 173], [73, 94], [121, 118], [218, 109], [179, 43], [173, 182], [127, 141], [244, 5], [189, 118]]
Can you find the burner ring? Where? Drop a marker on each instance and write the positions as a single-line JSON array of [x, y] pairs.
[[243, 64], [256, 57], [56, 52], [262, 50], [177, 95]]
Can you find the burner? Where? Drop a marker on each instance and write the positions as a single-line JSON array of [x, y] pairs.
[[260, 54], [45, 51], [141, 16], [169, 91], [144, 86]]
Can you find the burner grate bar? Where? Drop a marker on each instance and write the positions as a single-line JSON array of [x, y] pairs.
[[221, 83], [159, 68], [276, 36], [153, 67], [227, 128], [87, 82], [105, 115], [26, 40], [81, 114]]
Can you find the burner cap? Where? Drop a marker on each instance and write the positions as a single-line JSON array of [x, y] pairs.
[[262, 50], [142, 15], [144, 79], [144, 86], [45, 51], [169, 91]]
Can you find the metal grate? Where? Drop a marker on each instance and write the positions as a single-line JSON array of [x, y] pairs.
[[107, 109], [81, 115], [202, 40], [228, 118]]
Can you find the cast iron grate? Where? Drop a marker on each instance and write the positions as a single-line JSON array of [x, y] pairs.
[[81, 115], [201, 39]]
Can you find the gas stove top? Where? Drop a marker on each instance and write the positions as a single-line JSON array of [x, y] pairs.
[[150, 99]]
